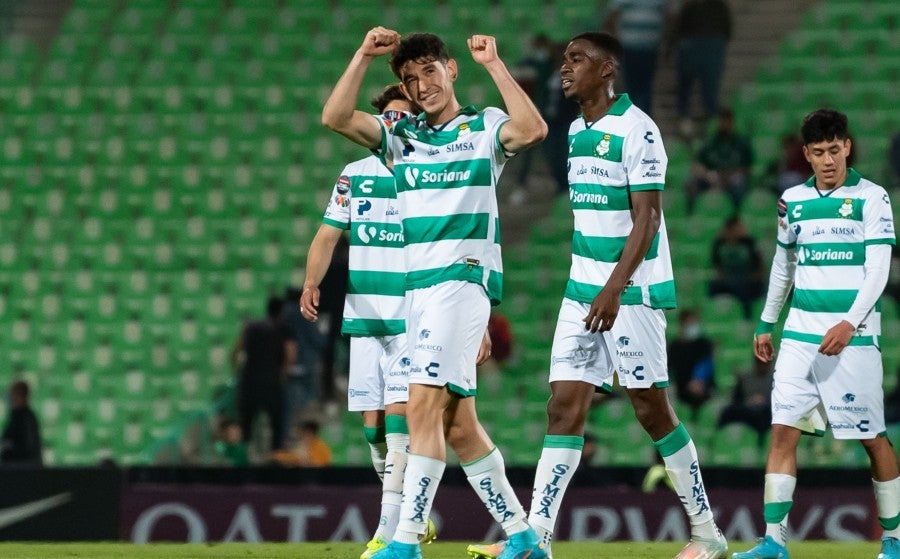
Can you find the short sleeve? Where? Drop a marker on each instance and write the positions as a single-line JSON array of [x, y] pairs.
[[384, 150], [787, 237], [878, 219], [644, 157], [494, 119], [337, 213]]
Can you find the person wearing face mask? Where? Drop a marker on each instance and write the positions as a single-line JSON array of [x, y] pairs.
[[691, 362]]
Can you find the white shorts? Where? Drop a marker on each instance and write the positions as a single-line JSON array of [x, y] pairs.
[[444, 329], [845, 390], [634, 349], [379, 372]]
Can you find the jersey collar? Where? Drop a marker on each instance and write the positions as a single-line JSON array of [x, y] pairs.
[[853, 178], [620, 106]]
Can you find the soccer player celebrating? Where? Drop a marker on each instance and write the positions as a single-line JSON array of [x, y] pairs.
[[835, 233], [446, 164], [611, 320], [364, 201]]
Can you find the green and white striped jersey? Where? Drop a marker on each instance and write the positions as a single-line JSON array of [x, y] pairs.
[[608, 159], [446, 178], [829, 232], [364, 201]]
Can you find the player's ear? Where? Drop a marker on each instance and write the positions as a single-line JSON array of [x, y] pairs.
[[806, 154], [847, 145], [608, 71], [452, 69]]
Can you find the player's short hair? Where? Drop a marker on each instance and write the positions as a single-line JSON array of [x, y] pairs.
[[824, 125], [603, 41], [390, 93], [419, 47]]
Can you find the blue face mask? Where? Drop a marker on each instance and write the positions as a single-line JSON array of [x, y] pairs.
[[692, 331]]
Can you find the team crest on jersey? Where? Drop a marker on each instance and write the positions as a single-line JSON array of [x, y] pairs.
[[846, 209], [603, 147], [463, 130], [343, 184]]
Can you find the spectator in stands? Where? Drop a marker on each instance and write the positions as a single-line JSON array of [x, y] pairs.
[[534, 73], [790, 168], [331, 316], [301, 384], [230, 445], [639, 26], [894, 160], [311, 449], [751, 401], [269, 351], [703, 30], [21, 442], [691, 362], [722, 163], [738, 265]]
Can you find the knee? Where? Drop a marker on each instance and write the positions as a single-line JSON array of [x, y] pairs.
[[563, 418], [454, 435]]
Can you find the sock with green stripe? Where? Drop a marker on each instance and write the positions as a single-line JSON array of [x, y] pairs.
[[777, 502], [377, 448], [887, 500], [397, 436], [487, 476], [559, 460], [680, 457]]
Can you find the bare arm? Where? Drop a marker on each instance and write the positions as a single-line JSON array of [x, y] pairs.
[[647, 215], [525, 127], [317, 261], [339, 113]]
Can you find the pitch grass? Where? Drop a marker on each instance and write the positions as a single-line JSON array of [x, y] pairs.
[[439, 550]]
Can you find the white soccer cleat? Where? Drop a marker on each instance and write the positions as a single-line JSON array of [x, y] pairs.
[[699, 548]]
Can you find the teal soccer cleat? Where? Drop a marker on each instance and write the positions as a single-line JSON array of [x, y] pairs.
[[767, 548], [524, 545], [396, 550], [890, 548]]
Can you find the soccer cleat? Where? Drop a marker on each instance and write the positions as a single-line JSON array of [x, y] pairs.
[[397, 550], [766, 548], [486, 550], [430, 532], [890, 548], [375, 544], [699, 548], [523, 545]]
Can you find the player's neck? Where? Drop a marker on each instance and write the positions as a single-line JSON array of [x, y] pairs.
[[596, 108], [448, 113]]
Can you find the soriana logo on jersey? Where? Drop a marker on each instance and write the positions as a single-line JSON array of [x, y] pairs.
[[457, 174]]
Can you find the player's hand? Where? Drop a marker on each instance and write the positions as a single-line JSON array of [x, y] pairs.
[[604, 310], [837, 338], [484, 352], [483, 48], [309, 303], [379, 40], [762, 347]]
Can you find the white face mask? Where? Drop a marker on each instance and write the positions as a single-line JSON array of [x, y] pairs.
[[692, 331]]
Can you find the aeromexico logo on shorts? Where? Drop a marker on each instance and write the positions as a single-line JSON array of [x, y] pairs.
[[621, 351], [848, 406], [423, 343]]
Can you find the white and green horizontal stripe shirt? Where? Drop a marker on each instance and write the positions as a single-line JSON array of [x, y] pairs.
[[828, 232], [608, 159], [364, 201], [446, 179]]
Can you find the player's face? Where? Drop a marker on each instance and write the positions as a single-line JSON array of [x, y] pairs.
[[585, 71], [430, 85], [829, 161]]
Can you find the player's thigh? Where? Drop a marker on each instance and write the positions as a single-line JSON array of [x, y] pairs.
[[578, 354], [395, 369], [448, 325], [637, 344], [795, 396], [850, 385], [365, 387]]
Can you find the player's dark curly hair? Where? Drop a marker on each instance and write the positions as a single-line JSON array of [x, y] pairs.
[[603, 41], [418, 47], [824, 125], [390, 93]]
